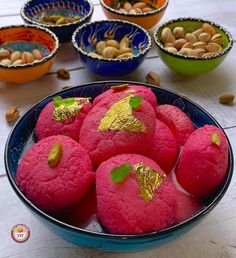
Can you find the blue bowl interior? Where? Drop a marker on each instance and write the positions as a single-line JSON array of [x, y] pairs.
[[22, 137], [88, 35], [36, 8], [26, 46]]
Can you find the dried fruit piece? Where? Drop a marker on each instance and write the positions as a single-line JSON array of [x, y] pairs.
[[118, 174], [215, 138], [63, 74], [226, 99], [135, 101], [153, 78], [119, 87], [12, 115], [54, 155]]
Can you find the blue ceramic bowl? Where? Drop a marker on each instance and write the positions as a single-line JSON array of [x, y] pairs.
[[21, 138], [32, 11], [86, 37]]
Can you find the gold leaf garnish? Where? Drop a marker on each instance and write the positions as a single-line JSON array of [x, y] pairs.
[[63, 111], [120, 117], [148, 179], [215, 138]]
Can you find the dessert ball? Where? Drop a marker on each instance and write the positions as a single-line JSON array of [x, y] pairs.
[[62, 116], [164, 148], [203, 163], [55, 173], [116, 92], [177, 121], [123, 126], [134, 195]]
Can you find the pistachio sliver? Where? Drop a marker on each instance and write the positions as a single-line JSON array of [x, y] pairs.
[[55, 154]]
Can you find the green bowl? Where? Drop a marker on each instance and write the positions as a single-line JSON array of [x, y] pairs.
[[192, 66]]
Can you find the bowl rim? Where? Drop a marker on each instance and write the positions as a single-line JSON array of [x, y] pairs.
[[192, 19], [143, 236], [81, 51], [37, 62], [51, 26], [155, 11]]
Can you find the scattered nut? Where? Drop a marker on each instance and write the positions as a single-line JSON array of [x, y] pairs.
[[63, 74], [153, 78], [226, 99], [12, 115]]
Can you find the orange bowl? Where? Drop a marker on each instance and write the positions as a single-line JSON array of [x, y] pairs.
[[145, 20], [26, 38]]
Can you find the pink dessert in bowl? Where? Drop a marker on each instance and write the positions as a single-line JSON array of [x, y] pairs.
[[98, 233]]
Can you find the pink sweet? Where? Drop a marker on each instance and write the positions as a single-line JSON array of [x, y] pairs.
[[120, 207], [164, 149], [177, 121], [53, 189], [203, 163], [114, 94], [102, 145], [47, 126]]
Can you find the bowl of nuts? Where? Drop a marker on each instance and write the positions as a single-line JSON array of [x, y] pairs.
[[27, 52], [111, 48], [146, 13], [192, 46], [61, 17]]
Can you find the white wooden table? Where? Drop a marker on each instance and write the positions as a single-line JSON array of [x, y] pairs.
[[216, 235]]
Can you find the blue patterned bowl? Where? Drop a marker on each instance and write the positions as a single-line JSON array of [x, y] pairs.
[[94, 236], [32, 12], [86, 37]]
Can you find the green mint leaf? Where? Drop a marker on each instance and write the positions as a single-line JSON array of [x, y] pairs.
[[68, 102], [57, 101], [135, 101], [215, 138], [118, 174]]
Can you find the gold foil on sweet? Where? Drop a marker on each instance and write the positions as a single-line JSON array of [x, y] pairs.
[[148, 179], [120, 118], [65, 111]]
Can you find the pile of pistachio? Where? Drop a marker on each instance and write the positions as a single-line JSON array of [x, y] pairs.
[[133, 7], [203, 42], [112, 49], [58, 19], [8, 57]]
